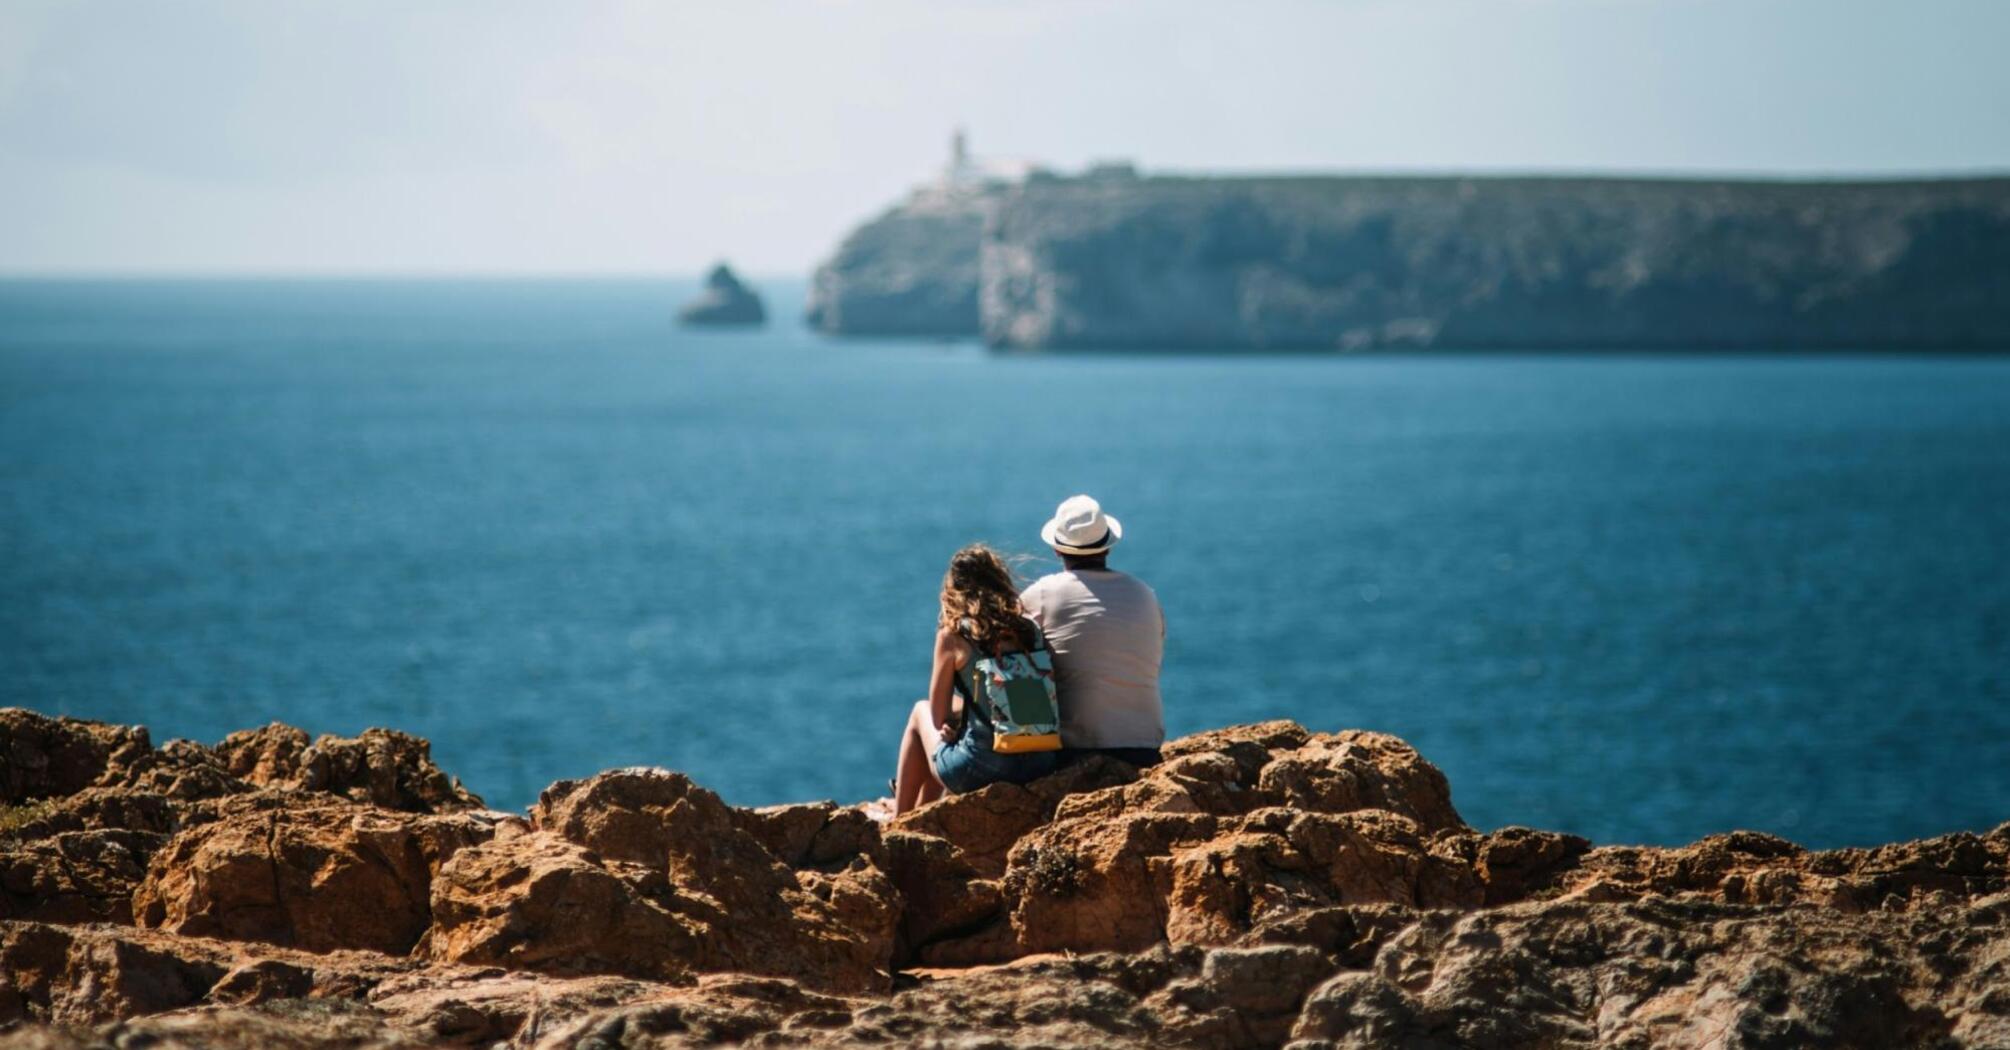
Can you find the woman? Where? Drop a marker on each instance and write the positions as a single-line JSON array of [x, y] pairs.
[[980, 615]]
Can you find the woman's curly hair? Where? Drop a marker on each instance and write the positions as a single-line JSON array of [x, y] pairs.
[[980, 599]]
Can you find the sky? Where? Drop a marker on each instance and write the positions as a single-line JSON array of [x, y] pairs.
[[618, 136]]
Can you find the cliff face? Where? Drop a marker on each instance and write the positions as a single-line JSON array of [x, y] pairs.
[[913, 271], [1264, 885], [1356, 263]]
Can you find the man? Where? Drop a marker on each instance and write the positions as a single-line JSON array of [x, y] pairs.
[[1108, 637]]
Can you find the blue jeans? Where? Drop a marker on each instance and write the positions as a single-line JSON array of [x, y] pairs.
[[968, 763]]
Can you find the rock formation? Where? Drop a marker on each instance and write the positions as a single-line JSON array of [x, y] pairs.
[[913, 271], [725, 302], [1264, 886], [1343, 263]]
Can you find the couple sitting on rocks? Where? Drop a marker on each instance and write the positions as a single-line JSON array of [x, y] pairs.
[[1026, 681]]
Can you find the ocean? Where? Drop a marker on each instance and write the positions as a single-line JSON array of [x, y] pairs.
[[1638, 598]]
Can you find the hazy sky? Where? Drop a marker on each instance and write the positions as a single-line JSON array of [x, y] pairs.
[[408, 135]]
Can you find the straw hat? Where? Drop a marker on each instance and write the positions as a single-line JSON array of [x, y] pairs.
[[1080, 527]]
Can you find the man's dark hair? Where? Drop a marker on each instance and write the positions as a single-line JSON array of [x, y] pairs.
[[1072, 562]]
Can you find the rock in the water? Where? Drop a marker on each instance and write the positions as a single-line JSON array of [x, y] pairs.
[[726, 301]]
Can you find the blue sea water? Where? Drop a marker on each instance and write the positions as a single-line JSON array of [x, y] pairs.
[[1641, 598]]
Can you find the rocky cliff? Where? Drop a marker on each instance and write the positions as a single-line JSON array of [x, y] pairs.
[[1265, 886], [912, 271], [1342, 263]]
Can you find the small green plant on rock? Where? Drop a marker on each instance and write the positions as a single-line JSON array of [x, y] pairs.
[[1051, 872], [15, 817]]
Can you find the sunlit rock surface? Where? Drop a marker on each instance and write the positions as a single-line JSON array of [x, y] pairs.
[[1264, 886]]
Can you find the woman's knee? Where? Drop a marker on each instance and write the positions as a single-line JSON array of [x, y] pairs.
[[920, 714]]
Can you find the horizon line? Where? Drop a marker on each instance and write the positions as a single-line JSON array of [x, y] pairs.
[[386, 274]]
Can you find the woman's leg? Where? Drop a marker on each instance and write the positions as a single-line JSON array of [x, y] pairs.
[[914, 778]]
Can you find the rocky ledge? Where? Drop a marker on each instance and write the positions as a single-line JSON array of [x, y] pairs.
[[1265, 886]]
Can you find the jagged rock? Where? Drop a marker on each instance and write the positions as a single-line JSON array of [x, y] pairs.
[[725, 1010], [641, 872], [1349, 934], [1283, 861], [813, 834], [381, 767], [96, 809], [180, 770], [260, 981], [75, 876], [87, 975], [1204, 845], [1353, 770], [725, 301], [1517, 863], [305, 871], [269, 756], [485, 1007], [1242, 997], [1751, 868], [984, 824], [1672, 974], [942, 893], [44, 757], [1263, 884], [284, 1024], [638, 815], [538, 902], [787, 831]]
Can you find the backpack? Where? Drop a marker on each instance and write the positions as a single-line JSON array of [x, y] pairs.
[[1017, 691]]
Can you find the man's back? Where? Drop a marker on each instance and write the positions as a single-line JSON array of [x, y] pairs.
[[1108, 637]]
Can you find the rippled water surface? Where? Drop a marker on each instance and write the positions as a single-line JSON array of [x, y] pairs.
[[1638, 598]]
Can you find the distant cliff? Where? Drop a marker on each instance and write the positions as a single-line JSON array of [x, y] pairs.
[[913, 271], [1357, 263]]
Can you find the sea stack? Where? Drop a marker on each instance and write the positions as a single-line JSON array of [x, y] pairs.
[[725, 302]]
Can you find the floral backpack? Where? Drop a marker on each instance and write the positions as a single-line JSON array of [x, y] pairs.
[[1017, 694]]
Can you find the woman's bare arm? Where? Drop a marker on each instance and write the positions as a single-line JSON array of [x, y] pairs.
[[950, 654]]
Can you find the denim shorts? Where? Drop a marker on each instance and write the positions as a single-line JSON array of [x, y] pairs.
[[968, 763]]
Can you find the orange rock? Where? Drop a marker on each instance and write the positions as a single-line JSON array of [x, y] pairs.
[[304, 871], [44, 757], [538, 902], [75, 876], [382, 767], [675, 884]]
